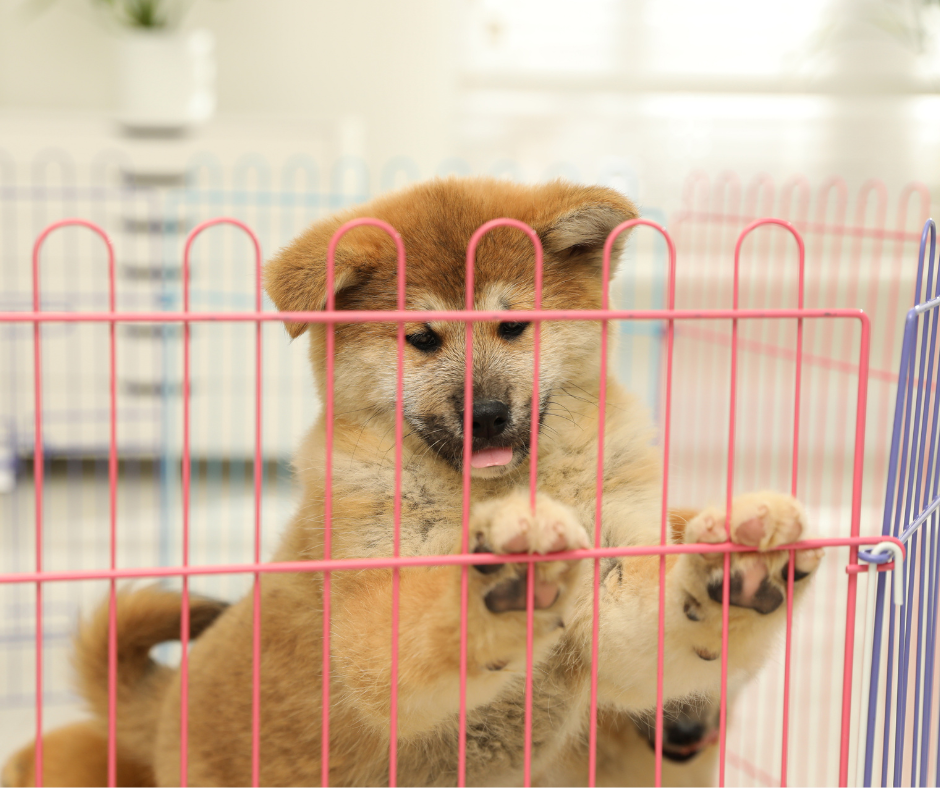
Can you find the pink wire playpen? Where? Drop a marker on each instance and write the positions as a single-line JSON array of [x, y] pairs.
[[773, 345]]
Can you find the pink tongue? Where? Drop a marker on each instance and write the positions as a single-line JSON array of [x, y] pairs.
[[489, 457]]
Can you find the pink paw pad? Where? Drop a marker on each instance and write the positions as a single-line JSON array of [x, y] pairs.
[[520, 542], [752, 532]]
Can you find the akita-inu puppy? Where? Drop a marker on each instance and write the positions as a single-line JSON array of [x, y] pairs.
[[436, 220]]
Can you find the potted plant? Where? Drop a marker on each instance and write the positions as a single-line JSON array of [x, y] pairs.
[[166, 76]]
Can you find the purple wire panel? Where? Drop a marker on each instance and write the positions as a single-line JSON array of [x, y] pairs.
[[911, 503]]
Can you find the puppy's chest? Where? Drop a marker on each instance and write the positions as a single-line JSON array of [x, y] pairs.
[[432, 504]]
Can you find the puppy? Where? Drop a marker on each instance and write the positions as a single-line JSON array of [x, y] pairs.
[[436, 220]]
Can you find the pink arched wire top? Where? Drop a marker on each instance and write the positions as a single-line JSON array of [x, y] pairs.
[[38, 471], [602, 411], [198, 230], [801, 249], [328, 492], [186, 481], [95, 228], [533, 476], [801, 264]]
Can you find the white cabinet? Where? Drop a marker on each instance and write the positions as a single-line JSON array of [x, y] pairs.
[[148, 195]]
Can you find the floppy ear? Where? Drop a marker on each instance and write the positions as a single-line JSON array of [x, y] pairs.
[[578, 233], [295, 278]]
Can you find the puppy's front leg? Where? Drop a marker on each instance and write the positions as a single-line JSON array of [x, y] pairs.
[[429, 617], [758, 582], [693, 612]]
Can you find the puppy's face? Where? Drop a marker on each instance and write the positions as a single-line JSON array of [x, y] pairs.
[[436, 221], [435, 369]]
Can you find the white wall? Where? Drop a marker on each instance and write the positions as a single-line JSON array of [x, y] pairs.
[[535, 83], [391, 63]]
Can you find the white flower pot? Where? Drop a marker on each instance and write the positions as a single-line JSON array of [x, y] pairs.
[[166, 80]]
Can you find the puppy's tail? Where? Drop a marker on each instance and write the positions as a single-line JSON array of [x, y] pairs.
[[145, 618]]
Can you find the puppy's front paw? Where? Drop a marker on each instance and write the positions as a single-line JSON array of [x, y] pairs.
[[761, 520], [508, 525]]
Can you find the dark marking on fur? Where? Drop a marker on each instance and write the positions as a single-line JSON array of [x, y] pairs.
[[686, 728], [692, 608], [511, 595], [486, 569], [203, 613], [765, 600], [768, 597], [797, 574], [705, 654], [428, 524], [508, 595], [607, 566], [716, 588], [497, 665]]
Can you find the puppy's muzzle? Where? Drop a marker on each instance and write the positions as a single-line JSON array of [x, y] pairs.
[[684, 738], [490, 418]]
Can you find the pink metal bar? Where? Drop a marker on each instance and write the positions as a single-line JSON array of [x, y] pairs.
[[258, 476], [186, 472], [363, 564], [788, 650], [328, 487], [726, 573], [258, 480], [328, 513], [857, 480], [599, 493], [533, 482], [801, 262], [465, 514], [726, 576], [328, 483], [38, 474], [395, 316], [399, 437]]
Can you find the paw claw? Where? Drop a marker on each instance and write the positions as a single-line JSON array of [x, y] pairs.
[[706, 528]]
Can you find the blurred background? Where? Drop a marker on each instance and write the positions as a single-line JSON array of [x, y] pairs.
[[150, 116], [525, 87]]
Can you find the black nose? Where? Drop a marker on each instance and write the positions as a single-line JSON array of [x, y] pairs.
[[683, 732], [490, 418]]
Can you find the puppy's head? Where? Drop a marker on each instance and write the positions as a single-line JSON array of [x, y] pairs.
[[436, 220]]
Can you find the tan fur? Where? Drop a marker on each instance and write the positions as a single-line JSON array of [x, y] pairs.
[[145, 618], [436, 221], [624, 758], [75, 755]]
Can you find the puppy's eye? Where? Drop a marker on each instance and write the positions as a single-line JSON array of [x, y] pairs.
[[426, 341], [511, 330]]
